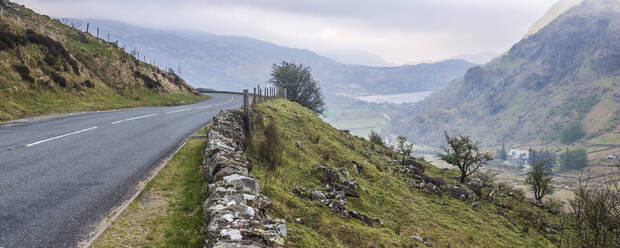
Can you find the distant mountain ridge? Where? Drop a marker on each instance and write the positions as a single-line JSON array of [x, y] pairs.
[[232, 62], [567, 72]]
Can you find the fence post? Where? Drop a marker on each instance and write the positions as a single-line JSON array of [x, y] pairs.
[[87, 26], [286, 98], [246, 113], [254, 97]]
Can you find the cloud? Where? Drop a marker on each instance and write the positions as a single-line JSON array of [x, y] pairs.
[[400, 31]]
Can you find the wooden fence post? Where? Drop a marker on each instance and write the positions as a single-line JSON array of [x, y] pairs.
[[286, 98], [254, 97], [87, 26], [246, 113]]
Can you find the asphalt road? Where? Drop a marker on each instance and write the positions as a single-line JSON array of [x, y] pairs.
[[59, 177]]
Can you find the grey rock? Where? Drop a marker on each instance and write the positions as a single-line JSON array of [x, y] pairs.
[[349, 187], [457, 193], [410, 166], [502, 213]]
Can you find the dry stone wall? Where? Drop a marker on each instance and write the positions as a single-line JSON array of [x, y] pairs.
[[234, 213]]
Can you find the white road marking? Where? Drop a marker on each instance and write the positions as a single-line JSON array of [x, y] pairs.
[[203, 107], [177, 111], [58, 137], [133, 118]]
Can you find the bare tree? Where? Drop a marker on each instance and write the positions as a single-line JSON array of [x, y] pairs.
[[593, 219], [539, 181], [464, 154]]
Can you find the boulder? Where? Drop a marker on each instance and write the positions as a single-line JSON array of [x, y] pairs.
[[437, 181], [457, 193], [411, 166], [367, 220], [502, 213], [349, 187]]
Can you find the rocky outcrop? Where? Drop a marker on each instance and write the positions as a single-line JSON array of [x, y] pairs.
[[234, 213], [436, 185], [335, 197]]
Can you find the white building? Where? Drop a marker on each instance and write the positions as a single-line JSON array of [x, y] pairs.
[[518, 158]]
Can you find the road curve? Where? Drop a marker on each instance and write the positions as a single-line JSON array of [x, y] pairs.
[[59, 177]]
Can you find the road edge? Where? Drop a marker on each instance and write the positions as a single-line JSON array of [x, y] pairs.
[[115, 212]]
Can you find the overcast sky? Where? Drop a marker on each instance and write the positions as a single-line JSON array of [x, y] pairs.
[[399, 31]]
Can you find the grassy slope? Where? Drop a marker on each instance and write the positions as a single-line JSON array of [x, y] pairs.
[[406, 211], [47, 67], [168, 213]]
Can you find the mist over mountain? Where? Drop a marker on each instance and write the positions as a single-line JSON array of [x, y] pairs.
[[355, 57], [566, 72], [478, 58], [233, 62]]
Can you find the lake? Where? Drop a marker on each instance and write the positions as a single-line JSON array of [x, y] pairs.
[[411, 97]]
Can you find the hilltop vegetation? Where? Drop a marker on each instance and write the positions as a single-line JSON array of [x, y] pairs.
[[47, 67], [565, 74], [339, 190]]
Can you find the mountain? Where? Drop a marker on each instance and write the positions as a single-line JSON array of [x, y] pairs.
[[567, 72], [47, 67], [478, 58], [233, 62], [556, 10], [354, 57]]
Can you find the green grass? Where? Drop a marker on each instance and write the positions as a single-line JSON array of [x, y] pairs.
[[406, 211], [33, 102], [168, 213], [49, 68]]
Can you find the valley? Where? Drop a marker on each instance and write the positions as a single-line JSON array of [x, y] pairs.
[[190, 124]]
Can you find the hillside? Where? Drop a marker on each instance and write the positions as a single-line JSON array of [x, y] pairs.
[[233, 62], [337, 190], [47, 67], [566, 72]]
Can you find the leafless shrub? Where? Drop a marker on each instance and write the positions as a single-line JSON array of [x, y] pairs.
[[593, 219]]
